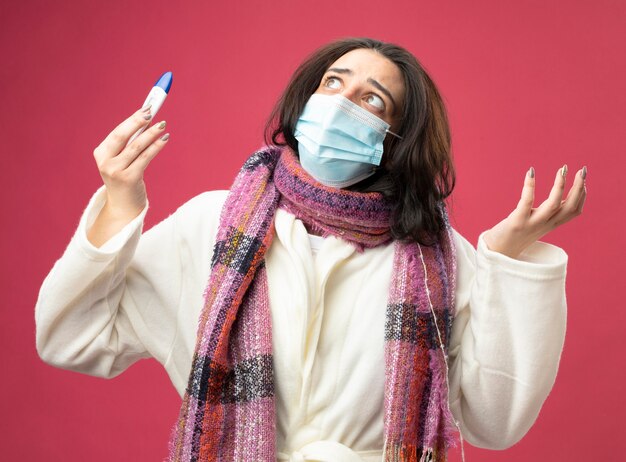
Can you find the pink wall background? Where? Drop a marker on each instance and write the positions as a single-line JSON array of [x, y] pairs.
[[526, 83]]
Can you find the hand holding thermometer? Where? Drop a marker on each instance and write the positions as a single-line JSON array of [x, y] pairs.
[[155, 99], [122, 166]]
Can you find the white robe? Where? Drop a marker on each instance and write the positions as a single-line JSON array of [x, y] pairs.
[[138, 296]]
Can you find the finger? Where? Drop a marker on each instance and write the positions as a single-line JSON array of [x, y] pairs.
[[527, 198], [115, 141], [569, 207], [562, 217], [134, 149], [141, 162], [552, 204], [577, 190], [581, 201]]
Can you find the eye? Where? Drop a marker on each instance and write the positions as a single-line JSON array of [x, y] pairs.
[[333, 83], [376, 101]]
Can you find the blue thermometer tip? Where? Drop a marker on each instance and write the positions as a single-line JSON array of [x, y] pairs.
[[165, 82]]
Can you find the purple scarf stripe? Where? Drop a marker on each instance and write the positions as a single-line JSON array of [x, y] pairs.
[[360, 218]]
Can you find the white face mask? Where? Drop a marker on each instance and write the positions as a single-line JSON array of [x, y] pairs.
[[339, 142]]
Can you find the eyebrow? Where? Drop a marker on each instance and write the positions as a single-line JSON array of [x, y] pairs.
[[378, 85]]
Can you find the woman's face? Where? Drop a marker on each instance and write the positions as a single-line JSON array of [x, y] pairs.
[[368, 79]]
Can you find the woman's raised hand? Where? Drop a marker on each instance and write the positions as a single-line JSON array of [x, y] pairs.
[[526, 224], [121, 167]]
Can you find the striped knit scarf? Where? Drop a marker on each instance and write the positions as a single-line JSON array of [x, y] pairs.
[[227, 412]]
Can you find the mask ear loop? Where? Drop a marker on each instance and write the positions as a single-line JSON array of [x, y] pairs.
[[394, 134], [391, 142], [443, 351]]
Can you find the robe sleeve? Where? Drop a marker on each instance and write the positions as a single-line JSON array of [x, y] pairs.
[[506, 339], [101, 309]]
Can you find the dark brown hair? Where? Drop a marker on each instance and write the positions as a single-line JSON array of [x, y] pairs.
[[417, 173]]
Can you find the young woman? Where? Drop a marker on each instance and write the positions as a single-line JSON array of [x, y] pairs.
[[343, 318]]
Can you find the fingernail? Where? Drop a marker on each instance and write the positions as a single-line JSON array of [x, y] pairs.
[[531, 172], [564, 171], [165, 137], [162, 125], [148, 116], [584, 175], [146, 109]]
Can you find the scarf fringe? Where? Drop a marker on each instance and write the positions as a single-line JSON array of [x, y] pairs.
[[401, 453], [447, 428]]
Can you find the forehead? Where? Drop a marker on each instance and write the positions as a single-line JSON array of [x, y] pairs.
[[367, 63]]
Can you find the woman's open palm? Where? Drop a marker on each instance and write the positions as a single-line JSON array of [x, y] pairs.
[[526, 224]]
